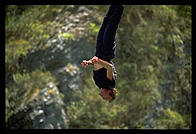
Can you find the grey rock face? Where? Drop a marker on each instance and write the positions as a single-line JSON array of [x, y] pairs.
[[62, 57], [45, 110]]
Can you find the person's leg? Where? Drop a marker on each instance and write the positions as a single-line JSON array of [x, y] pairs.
[[110, 32], [99, 44], [105, 22]]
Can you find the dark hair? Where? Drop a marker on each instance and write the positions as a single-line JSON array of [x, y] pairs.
[[113, 94]]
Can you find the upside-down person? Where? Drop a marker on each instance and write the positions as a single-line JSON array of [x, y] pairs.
[[104, 72]]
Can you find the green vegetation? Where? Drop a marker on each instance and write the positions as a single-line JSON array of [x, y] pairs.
[[68, 36], [171, 120], [158, 61], [92, 112], [94, 29], [153, 61], [26, 86], [27, 28]]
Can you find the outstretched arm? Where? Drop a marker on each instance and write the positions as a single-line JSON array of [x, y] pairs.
[[105, 64], [96, 61]]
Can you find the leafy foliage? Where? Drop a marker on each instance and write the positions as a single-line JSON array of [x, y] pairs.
[[92, 112], [170, 120], [68, 36], [25, 86], [27, 27], [155, 46]]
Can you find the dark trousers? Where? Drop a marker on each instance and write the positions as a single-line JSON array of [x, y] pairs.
[[105, 48]]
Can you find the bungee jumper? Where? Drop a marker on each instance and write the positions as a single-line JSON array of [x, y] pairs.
[[104, 72]]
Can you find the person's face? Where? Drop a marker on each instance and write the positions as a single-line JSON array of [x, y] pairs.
[[104, 93]]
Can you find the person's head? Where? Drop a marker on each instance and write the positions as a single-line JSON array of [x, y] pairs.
[[108, 94]]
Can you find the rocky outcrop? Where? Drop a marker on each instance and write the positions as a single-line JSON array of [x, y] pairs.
[[43, 110], [61, 56]]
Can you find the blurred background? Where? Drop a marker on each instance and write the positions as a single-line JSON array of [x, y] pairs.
[[46, 87]]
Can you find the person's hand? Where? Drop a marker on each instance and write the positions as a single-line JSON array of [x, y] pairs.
[[94, 60], [84, 63]]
